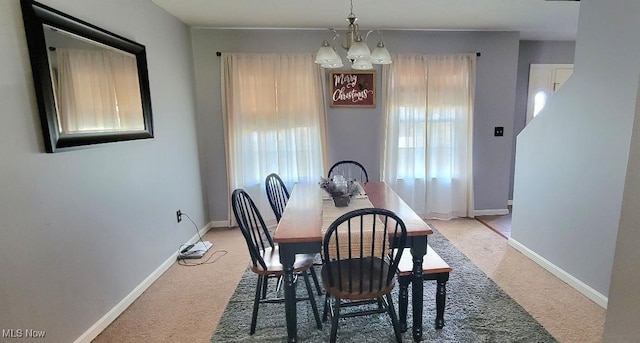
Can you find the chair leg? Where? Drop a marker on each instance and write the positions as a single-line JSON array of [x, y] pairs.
[[334, 320], [265, 283], [279, 284], [315, 280], [380, 303], [394, 318], [312, 299], [256, 303], [325, 312]]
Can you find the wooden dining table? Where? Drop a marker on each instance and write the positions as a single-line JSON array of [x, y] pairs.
[[300, 231]]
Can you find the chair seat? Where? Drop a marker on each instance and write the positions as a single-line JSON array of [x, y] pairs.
[[271, 257], [374, 287]]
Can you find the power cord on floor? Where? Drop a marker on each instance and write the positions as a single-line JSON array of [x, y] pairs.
[[218, 253]]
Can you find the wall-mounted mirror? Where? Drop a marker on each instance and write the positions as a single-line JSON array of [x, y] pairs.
[[92, 86]]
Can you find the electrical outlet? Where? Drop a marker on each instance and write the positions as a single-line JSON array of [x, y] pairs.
[[179, 216]]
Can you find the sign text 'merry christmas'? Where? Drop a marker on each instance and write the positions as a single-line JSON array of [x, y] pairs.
[[352, 89]]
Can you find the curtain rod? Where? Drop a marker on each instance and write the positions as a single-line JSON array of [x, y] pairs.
[[218, 53]]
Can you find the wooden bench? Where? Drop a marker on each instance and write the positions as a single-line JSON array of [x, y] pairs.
[[433, 268]]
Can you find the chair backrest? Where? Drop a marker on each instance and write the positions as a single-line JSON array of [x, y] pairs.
[[358, 250], [252, 225], [351, 170], [277, 194]]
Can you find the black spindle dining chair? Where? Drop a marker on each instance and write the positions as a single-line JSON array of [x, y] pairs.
[[278, 196], [351, 170], [358, 264], [265, 256], [277, 193]]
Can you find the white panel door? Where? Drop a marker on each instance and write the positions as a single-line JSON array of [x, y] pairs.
[[544, 80]]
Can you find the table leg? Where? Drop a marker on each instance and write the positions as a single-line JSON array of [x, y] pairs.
[[287, 257], [418, 250], [441, 296]]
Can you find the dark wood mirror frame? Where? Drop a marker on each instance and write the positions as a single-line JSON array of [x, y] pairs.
[[35, 15]]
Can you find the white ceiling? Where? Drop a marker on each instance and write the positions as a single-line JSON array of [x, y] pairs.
[[535, 19]]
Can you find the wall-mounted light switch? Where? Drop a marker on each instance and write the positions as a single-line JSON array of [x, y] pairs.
[[498, 131]]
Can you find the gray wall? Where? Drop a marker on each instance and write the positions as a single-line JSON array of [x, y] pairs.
[[623, 315], [571, 160], [548, 52], [357, 133], [80, 229]]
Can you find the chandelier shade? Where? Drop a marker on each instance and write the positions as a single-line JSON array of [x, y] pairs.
[[357, 51], [332, 64], [380, 55], [362, 64], [327, 54]]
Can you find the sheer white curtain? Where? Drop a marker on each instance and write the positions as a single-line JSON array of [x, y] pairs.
[[98, 91], [429, 132], [275, 121]]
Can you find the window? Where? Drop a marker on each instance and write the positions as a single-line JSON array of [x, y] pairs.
[[539, 101]]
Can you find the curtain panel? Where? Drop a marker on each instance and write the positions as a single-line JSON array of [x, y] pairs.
[[275, 121], [428, 146]]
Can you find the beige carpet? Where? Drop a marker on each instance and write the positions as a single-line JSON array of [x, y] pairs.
[[566, 314], [185, 304]]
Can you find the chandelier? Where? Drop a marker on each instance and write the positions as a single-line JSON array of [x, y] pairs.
[[357, 50]]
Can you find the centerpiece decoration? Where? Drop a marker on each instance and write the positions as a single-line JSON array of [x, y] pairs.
[[340, 189]]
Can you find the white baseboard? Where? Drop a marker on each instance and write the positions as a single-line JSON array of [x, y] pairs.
[[497, 212], [578, 285], [227, 224], [219, 223], [510, 202], [108, 318]]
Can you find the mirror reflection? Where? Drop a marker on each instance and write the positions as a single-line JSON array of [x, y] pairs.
[[95, 86], [91, 85]]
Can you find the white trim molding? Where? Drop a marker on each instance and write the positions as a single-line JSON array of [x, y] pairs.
[[219, 223], [497, 212], [578, 285], [227, 224], [117, 310]]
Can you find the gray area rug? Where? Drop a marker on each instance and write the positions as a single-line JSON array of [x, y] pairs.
[[477, 310]]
